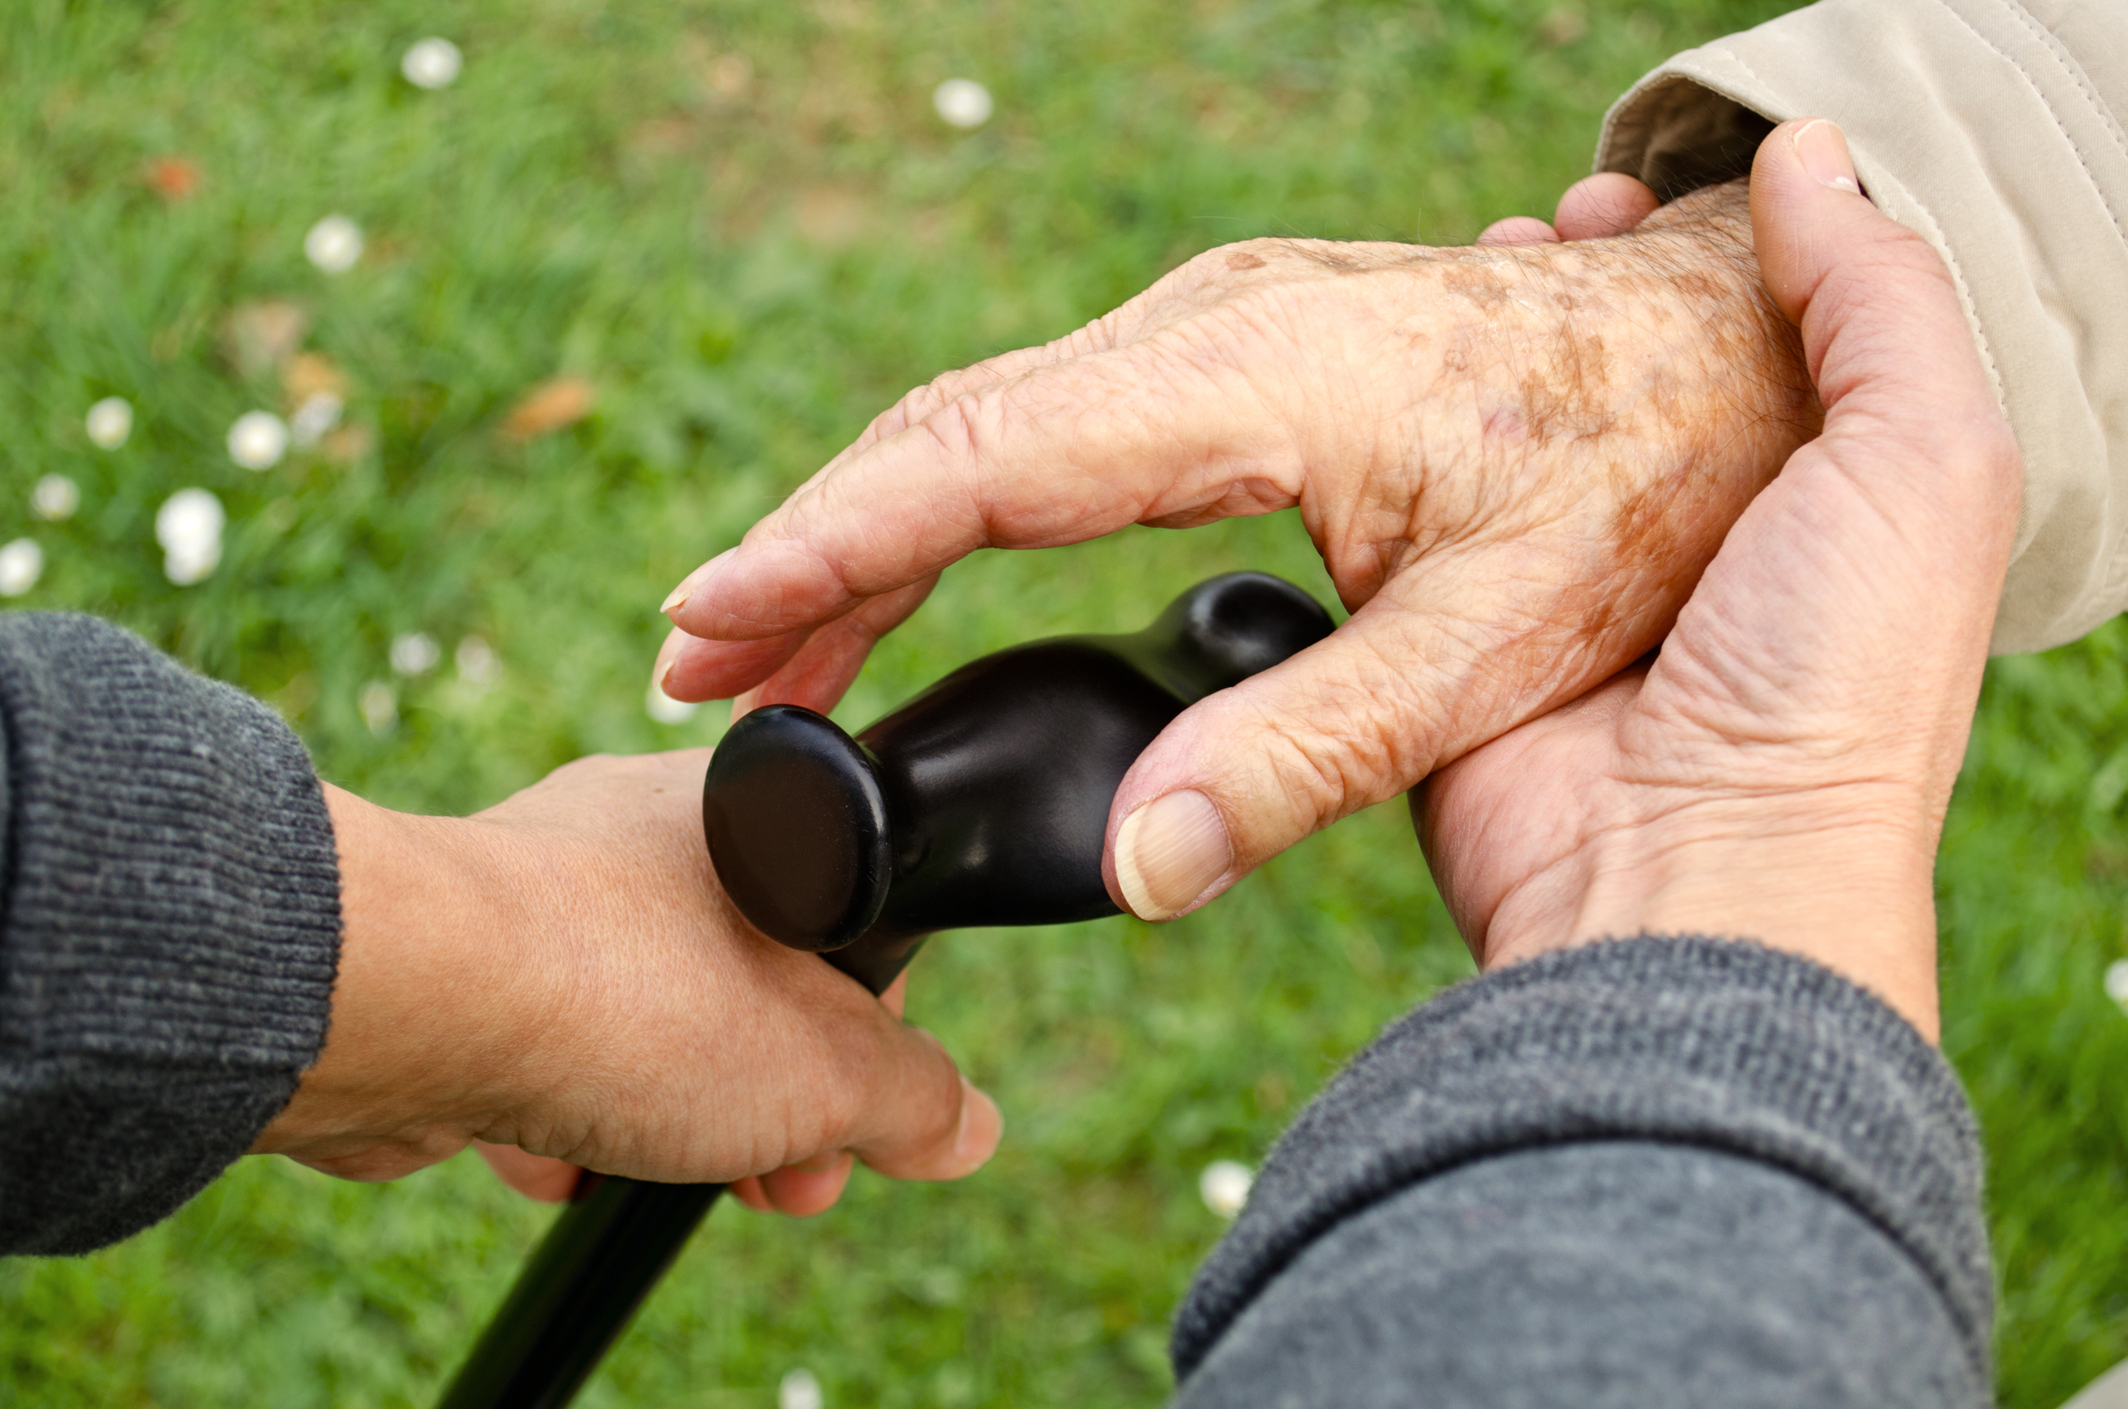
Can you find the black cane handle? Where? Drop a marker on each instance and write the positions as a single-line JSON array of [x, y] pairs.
[[983, 801]]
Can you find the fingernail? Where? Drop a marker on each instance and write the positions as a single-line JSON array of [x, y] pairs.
[[693, 582], [675, 639], [1822, 148], [1168, 851], [823, 1162], [982, 1125]]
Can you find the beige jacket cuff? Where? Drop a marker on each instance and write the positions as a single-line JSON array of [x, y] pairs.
[[1993, 129]]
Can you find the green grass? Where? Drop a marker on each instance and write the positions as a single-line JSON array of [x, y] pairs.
[[747, 272]]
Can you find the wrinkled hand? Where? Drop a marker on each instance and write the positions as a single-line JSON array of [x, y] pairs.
[[1514, 461], [561, 975], [1782, 769]]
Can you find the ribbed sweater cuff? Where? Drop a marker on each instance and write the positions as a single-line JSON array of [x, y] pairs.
[[1723, 1045], [171, 930]]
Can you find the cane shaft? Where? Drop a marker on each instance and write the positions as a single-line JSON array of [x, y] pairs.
[[579, 1291]]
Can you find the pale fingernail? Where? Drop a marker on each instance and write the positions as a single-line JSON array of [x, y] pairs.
[[693, 582], [1822, 148], [675, 641], [1168, 851], [982, 1125]]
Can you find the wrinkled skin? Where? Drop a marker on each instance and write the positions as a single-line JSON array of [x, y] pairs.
[[1515, 460], [1781, 770]]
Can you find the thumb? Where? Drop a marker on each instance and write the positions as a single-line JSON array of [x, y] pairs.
[[1849, 608], [1244, 773], [1811, 222], [1910, 415]]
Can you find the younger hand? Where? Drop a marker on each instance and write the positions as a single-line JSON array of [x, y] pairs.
[[561, 974]]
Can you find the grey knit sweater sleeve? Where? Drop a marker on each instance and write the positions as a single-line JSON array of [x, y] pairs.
[[1648, 1174], [169, 929]]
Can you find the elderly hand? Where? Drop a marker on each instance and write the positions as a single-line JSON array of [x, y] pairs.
[[1515, 462], [562, 975], [1782, 768]]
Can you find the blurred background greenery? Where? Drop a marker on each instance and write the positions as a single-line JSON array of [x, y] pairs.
[[631, 277]]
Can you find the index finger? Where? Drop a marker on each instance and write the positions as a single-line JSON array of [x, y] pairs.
[[1057, 455]]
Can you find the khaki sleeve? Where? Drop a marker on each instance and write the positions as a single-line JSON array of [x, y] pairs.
[[1992, 129]]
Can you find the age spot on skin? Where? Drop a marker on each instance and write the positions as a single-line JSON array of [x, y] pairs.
[[1242, 259], [1571, 397], [1699, 287], [1481, 286]]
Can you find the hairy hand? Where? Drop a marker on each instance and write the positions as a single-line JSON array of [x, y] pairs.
[[562, 975], [1782, 768], [1515, 462]]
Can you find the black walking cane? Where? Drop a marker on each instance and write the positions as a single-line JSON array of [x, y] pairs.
[[983, 801]]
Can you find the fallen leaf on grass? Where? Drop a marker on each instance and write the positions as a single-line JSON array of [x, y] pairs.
[[549, 407], [173, 178]]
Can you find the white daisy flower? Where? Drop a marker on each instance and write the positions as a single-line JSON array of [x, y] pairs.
[[21, 564], [415, 653], [258, 440], [2117, 981], [189, 528], [56, 497], [110, 421], [334, 244], [432, 63], [477, 662], [319, 413], [962, 102], [187, 566], [665, 709], [800, 1390], [1224, 1187]]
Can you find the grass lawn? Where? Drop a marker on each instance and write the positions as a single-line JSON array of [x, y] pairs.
[[740, 230]]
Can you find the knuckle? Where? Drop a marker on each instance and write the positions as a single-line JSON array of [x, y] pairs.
[[1100, 334], [1324, 767], [942, 391], [957, 429], [914, 405], [1356, 736]]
